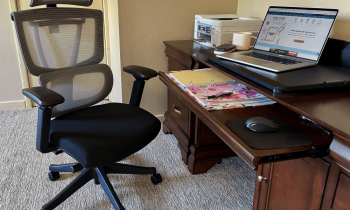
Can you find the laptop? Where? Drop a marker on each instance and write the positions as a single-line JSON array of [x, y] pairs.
[[290, 38]]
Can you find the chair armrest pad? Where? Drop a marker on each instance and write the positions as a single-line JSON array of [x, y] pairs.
[[43, 96], [140, 72]]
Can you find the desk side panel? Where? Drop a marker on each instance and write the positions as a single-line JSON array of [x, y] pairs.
[[295, 184]]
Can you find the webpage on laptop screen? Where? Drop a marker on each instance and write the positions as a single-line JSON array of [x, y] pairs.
[[295, 32]]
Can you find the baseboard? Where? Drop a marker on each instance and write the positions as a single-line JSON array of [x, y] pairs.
[[7, 105], [161, 117]]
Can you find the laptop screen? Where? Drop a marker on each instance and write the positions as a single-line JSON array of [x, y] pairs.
[[296, 32]]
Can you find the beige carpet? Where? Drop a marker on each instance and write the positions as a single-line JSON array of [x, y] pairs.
[[24, 183]]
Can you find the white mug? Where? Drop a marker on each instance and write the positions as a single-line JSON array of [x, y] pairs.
[[242, 40]]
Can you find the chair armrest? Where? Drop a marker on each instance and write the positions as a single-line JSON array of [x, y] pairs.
[[43, 97], [140, 72], [46, 99]]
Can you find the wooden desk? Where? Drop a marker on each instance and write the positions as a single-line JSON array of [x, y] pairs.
[[300, 183]]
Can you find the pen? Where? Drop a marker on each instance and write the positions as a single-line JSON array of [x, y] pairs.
[[218, 95]]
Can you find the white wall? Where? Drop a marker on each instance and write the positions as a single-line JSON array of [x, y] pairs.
[[10, 78]]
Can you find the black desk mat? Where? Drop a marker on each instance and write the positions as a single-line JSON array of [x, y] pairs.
[[287, 135]]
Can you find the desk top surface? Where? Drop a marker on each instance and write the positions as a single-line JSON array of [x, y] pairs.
[[329, 108]]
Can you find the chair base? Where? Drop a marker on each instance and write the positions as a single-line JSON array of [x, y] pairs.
[[99, 174]]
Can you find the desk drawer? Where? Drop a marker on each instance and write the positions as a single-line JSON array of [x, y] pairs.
[[179, 111], [175, 66], [184, 60], [260, 156], [215, 120]]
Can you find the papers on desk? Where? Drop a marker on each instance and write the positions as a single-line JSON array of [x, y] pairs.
[[200, 76], [200, 84]]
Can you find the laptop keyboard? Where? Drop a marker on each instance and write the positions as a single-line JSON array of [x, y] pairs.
[[274, 59]]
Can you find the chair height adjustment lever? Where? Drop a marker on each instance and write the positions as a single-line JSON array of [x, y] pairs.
[[57, 152]]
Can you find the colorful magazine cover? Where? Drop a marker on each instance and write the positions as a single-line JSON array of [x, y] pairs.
[[238, 93], [241, 93]]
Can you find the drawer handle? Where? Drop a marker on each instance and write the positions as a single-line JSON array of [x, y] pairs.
[[261, 178], [176, 110]]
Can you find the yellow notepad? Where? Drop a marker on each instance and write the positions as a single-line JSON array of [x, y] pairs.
[[200, 76]]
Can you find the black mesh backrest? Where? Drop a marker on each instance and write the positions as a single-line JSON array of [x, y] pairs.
[[58, 38], [81, 86], [64, 46], [73, 2]]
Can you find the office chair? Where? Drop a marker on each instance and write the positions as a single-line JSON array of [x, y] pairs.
[[64, 46]]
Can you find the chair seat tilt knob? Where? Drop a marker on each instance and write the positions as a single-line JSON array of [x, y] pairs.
[[53, 176], [156, 179]]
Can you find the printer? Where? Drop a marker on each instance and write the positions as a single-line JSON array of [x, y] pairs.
[[217, 29]]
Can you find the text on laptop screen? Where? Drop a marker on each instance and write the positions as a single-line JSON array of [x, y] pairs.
[[295, 32]]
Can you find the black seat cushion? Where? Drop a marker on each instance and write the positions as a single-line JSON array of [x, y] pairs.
[[104, 134]]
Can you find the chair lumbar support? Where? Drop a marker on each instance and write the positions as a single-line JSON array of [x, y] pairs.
[[99, 174]]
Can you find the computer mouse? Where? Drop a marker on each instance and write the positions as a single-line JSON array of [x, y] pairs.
[[261, 125]]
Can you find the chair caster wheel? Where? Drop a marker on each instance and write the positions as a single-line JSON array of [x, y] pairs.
[[156, 179], [53, 176]]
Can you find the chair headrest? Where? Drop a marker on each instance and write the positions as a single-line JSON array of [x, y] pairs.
[[86, 3]]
